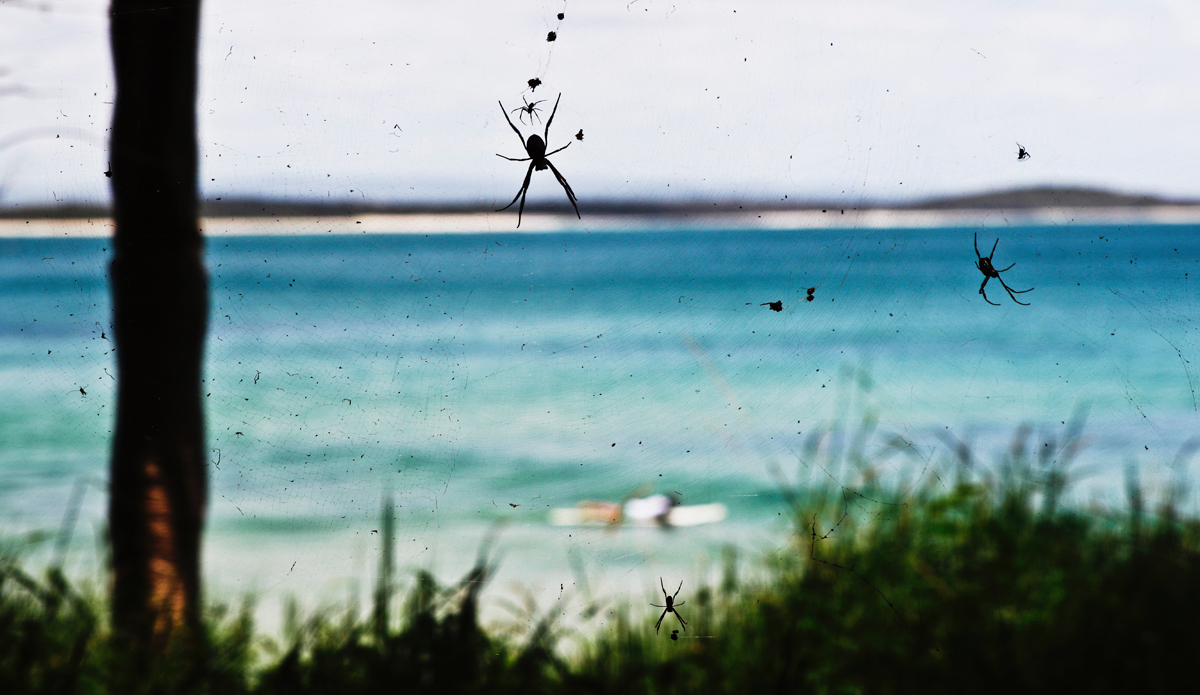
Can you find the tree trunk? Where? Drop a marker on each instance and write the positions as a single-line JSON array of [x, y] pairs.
[[160, 316]]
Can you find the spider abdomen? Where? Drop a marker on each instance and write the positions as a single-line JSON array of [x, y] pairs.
[[535, 147]]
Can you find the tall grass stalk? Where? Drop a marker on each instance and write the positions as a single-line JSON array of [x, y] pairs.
[[990, 583]]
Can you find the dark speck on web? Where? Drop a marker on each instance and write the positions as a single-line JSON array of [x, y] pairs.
[[551, 36], [561, 15], [775, 306], [579, 135]]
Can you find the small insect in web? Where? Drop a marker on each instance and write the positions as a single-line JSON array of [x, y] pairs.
[[670, 607], [774, 306], [535, 147], [675, 635], [528, 108], [579, 135], [810, 296], [1022, 153], [984, 264], [534, 83], [551, 36]]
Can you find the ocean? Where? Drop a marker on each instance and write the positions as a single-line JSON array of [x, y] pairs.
[[485, 379]]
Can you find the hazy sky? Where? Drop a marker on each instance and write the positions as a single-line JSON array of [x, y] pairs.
[[855, 99]]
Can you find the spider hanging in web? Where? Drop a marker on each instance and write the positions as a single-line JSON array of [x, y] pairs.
[[528, 108], [670, 607], [535, 147], [1022, 153], [989, 271]]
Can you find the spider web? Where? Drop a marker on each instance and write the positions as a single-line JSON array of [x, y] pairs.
[[485, 376]]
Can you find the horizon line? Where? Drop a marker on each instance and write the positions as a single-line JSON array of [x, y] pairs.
[[491, 222]]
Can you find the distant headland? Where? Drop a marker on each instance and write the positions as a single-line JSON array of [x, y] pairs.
[[237, 216], [1015, 199]]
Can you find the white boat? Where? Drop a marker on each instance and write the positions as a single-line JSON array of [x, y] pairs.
[[682, 515]]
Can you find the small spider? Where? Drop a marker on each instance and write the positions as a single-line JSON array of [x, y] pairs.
[[670, 607], [535, 147], [989, 271], [528, 108], [775, 306], [1022, 153]]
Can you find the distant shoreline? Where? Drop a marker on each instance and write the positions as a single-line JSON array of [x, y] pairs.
[[460, 222]]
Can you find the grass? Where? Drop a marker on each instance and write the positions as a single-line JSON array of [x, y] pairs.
[[986, 585]]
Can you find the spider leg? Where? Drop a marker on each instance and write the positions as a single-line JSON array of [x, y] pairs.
[[524, 186], [510, 125], [1010, 292], [678, 590], [993, 253], [681, 621], [522, 159], [524, 192], [985, 281], [657, 606], [570, 196], [546, 136], [660, 619], [977, 249], [558, 150], [660, 585], [680, 603], [1004, 269], [521, 194]]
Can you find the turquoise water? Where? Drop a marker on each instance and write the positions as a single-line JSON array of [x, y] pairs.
[[470, 373]]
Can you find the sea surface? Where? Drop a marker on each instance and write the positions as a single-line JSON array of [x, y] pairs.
[[484, 379]]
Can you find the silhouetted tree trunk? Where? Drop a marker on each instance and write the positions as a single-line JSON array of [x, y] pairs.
[[160, 316]]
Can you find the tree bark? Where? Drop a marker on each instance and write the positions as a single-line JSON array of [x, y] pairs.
[[160, 317]]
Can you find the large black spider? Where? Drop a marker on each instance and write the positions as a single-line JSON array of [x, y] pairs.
[[528, 108], [670, 607], [989, 271], [535, 147]]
